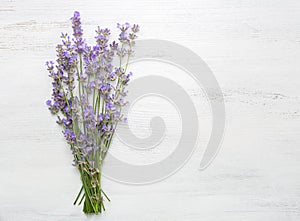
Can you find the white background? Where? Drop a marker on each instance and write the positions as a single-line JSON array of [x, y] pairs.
[[253, 48]]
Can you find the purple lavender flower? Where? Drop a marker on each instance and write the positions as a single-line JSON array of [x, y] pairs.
[[48, 102], [67, 122], [70, 136], [123, 27], [135, 28], [123, 37], [77, 32], [114, 46], [89, 149], [110, 107]]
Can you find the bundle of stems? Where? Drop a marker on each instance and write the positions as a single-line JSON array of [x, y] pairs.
[[89, 110]]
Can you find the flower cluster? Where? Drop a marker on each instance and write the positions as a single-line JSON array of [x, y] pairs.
[[88, 94]]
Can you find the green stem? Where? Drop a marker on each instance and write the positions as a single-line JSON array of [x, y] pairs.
[[88, 201], [105, 195], [78, 195], [83, 196], [80, 87]]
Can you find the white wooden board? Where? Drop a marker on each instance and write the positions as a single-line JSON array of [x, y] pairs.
[[253, 48]]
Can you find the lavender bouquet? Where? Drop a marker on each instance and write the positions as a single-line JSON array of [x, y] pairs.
[[89, 86]]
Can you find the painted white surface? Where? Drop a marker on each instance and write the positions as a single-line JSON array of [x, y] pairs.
[[253, 48]]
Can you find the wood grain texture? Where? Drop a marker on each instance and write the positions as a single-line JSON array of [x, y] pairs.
[[253, 48]]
